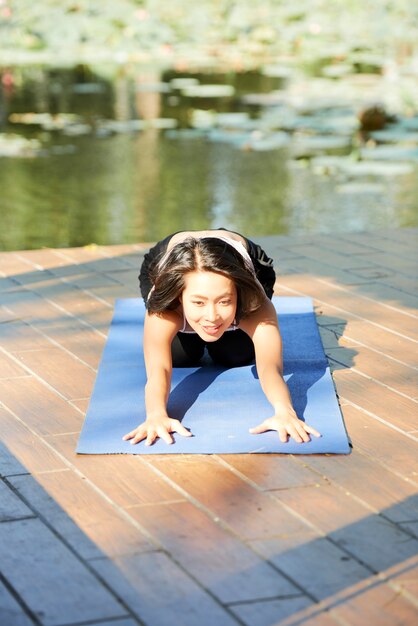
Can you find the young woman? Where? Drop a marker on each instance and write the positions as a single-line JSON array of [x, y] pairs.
[[211, 289]]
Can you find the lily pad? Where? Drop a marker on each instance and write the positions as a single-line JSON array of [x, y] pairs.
[[345, 164], [152, 87], [264, 99], [409, 123], [238, 139], [119, 126], [396, 134], [273, 141], [88, 88], [208, 91], [185, 133], [162, 123], [277, 71], [203, 119], [309, 145], [75, 130], [12, 145], [232, 120], [337, 71], [390, 153], [183, 83], [354, 188]]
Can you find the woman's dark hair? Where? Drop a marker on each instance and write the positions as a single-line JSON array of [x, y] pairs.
[[207, 254]]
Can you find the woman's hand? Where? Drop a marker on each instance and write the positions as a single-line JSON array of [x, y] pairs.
[[156, 427], [287, 423]]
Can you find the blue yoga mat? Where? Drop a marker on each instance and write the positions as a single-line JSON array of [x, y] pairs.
[[217, 404]]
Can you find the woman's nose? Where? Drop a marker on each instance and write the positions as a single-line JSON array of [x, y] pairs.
[[211, 313]]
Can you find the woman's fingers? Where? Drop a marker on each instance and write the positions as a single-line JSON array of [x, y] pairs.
[[261, 428], [283, 435], [177, 427], [151, 432], [165, 435], [129, 435], [298, 430], [312, 431]]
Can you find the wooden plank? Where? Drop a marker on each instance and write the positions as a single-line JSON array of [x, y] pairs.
[[7, 284], [400, 246], [381, 368], [120, 622], [40, 408], [18, 335], [373, 540], [320, 567], [74, 334], [250, 513], [70, 299], [378, 605], [214, 557], [316, 615], [405, 576], [333, 258], [84, 342], [342, 246], [11, 612], [377, 543], [403, 283], [64, 372], [122, 477], [12, 264], [391, 295], [91, 280], [9, 465], [43, 258], [110, 531], [30, 452], [348, 301], [383, 490], [128, 278], [11, 507], [110, 293], [326, 507], [51, 581], [82, 404], [394, 450], [62, 524], [379, 339], [156, 590], [9, 368], [269, 611], [393, 261], [379, 400], [314, 267], [270, 471]]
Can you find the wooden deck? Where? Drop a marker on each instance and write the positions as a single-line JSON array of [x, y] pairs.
[[202, 540]]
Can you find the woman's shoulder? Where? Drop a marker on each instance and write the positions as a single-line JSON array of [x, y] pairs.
[[170, 320]]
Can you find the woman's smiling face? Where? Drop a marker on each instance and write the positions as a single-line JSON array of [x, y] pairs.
[[209, 302]]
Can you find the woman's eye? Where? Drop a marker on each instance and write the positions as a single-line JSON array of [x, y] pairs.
[[197, 302], [225, 302]]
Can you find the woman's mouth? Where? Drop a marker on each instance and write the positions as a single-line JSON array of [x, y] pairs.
[[211, 330]]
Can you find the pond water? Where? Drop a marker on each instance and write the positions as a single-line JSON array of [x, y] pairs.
[[87, 179]]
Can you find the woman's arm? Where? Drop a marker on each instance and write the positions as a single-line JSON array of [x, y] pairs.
[[159, 331], [263, 329]]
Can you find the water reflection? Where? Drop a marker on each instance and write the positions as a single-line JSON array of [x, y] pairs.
[[99, 186]]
